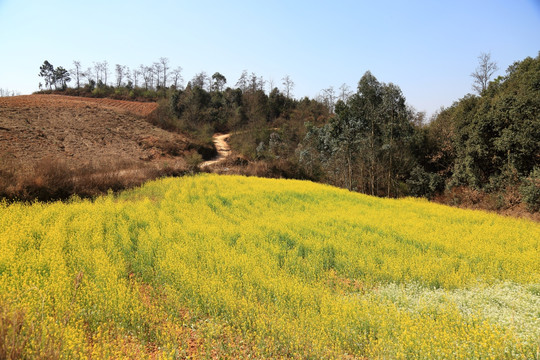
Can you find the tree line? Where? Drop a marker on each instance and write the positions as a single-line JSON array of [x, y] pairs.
[[7, 92], [369, 140], [155, 76]]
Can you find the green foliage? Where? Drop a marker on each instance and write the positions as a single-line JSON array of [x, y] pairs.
[[193, 160], [499, 129], [365, 145], [423, 183], [530, 190], [488, 142], [47, 72]]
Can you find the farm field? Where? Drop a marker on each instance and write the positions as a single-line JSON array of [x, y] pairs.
[[235, 267], [62, 102], [79, 130], [48, 140]]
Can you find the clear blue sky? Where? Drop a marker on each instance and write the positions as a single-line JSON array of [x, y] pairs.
[[428, 48]]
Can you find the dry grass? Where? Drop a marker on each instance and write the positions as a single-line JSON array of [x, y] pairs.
[[54, 179], [54, 146], [507, 202], [63, 101]]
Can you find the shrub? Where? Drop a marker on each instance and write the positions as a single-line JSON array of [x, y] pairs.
[[193, 159], [530, 190], [423, 183]]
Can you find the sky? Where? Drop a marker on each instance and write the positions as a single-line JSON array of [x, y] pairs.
[[427, 48]]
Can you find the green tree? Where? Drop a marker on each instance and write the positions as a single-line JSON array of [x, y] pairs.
[[47, 72], [496, 134], [61, 77], [365, 146], [218, 81]]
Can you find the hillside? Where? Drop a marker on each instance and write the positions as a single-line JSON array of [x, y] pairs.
[[234, 267], [51, 134]]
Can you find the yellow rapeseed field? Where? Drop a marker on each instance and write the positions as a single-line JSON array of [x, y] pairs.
[[234, 267]]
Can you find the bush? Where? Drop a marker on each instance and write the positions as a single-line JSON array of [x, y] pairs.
[[193, 160], [424, 184], [530, 190]]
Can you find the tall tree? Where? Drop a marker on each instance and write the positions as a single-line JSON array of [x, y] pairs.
[[120, 73], [329, 98], [255, 83], [98, 71], [77, 72], [177, 77], [344, 92], [396, 132], [157, 72], [164, 67], [219, 81], [288, 86], [105, 71], [242, 82], [483, 73], [200, 80], [61, 77], [146, 73], [135, 73], [46, 71], [367, 102], [271, 85]]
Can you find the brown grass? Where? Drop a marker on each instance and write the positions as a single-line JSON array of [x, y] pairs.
[[507, 202], [63, 101], [53, 146], [53, 179]]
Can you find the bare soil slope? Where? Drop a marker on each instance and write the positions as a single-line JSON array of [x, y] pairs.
[[103, 135]]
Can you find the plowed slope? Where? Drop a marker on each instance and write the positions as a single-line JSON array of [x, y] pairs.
[[80, 130], [52, 146]]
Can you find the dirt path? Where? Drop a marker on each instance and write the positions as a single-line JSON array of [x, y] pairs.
[[222, 147]]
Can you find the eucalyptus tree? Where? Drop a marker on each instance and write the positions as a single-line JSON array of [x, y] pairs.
[[218, 81]]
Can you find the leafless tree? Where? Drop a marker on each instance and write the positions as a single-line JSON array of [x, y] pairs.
[[261, 83], [152, 76], [177, 77], [146, 73], [7, 92], [485, 70], [128, 76], [135, 76], [164, 67], [105, 69], [344, 92], [157, 68], [288, 86], [120, 73], [201, 80], [97, 70], [77, 72], [329, 98], [271, 85], [242, 82], [256, 83], [101, 70], [87, 74]]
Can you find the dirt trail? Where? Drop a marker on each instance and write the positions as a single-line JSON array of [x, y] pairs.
[[222, 147]]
